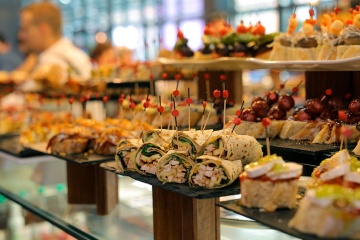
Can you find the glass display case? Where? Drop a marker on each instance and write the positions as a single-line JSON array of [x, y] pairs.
[[131, 219]]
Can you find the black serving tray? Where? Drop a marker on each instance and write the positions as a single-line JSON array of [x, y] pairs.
[[11, 145], [184, 189], [82, 158], [277, 220], [301, 151]]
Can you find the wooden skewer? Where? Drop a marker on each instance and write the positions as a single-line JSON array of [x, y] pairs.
[[267, 141], [189, 113], [227, 141]]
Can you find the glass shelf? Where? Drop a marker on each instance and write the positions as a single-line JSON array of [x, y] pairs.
[[39, 187]]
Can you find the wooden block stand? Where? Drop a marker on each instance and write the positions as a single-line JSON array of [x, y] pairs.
[[90, 184], [178, 217]]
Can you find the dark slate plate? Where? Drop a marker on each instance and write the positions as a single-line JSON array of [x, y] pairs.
[[184, 189], [83, 158], [277, 220], [11, 145], [300, 151]]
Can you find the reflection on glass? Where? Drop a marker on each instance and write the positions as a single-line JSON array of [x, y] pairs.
[[169, 31], [192, 8], [241, 5], [170, 9], [193, 30]]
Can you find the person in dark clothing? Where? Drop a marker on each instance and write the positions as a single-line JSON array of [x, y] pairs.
[[9, 60]]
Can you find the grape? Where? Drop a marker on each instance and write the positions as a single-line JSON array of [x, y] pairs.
[[354, 106], [335, 103], [286, 102], [256, 98], [260, 108], [248, 115], [303, 115], [272, 98], [277, 113], [315, 106]]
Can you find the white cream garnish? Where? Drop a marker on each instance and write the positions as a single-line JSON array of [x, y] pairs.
[[286, 171], [335, 172], [338, 158], [257, 169], [352, 177]]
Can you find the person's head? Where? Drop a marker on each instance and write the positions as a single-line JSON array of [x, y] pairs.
[[40, 25], [4, 45], [104, 54]]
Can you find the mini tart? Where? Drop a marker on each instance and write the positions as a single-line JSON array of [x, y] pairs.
[[269, 184]]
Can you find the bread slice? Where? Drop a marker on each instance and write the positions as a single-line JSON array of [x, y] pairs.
[[357, 148], [309, 131], [268, 195], [290, 128]]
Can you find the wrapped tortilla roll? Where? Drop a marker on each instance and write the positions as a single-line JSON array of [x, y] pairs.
[[238, 147], [147, 157], [126, 153], [212, 172], [191, 141], [174, 167], [162, 137]]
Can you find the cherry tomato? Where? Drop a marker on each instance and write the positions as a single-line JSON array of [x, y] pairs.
[[266, 122], [216, 93], [176, 92], [160, 109], [132, 105], [204, 104], [175, 112], [225, 94], [237, 121]]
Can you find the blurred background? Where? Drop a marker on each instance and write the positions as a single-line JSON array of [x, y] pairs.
[[152, 24]]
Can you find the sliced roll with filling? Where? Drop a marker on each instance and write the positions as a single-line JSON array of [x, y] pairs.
[[158, 136], [233, 147], [174, 167], [329, 211], [72, 140], [107, 143], [147, 158], [126, 153], [212, 172], [191, 141]]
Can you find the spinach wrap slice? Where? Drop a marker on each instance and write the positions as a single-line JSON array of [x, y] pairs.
[[190, 142], [232, 147], [147, 157], [126, 153], [162, 137], [174, 167], [212, 172]]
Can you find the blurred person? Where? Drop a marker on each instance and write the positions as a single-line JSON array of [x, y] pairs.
[[28, 63], [41, 32], [9, 60], [104, 55]]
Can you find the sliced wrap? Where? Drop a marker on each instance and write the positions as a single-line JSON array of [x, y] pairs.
[[191, 141], [174, 167], [125, 141], [233, 147], [126, 153], [212, 172], [147, 157], [162, 137]]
